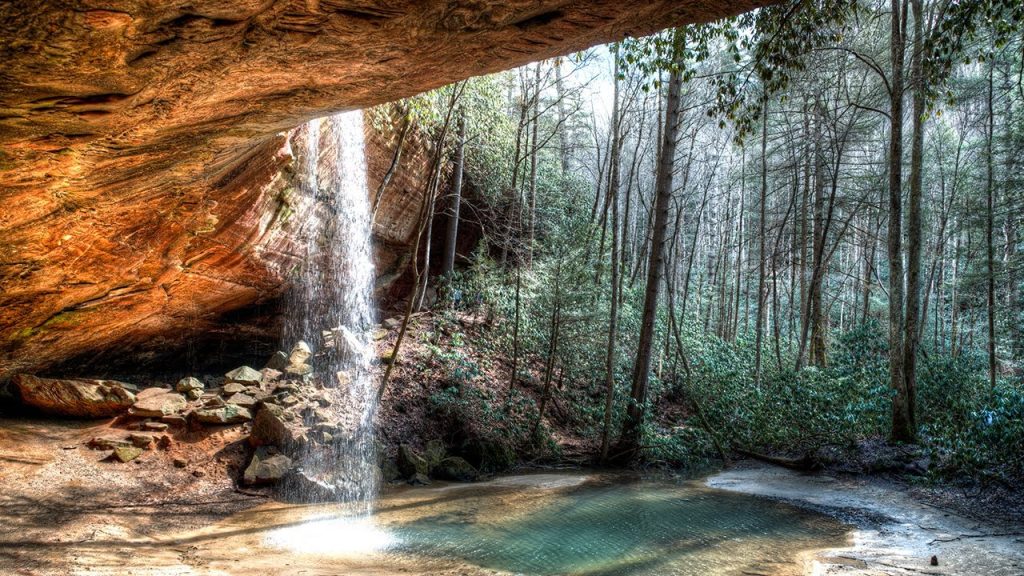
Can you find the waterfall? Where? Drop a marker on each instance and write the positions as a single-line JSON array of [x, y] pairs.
[[331, 306]]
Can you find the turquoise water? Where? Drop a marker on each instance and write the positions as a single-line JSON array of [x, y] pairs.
[[619, 528]]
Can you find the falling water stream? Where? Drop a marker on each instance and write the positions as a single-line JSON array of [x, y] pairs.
[[332, 304]]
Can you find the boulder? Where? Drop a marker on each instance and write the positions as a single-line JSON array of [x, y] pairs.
[[300, 486], [457, 469], [229, 414], [389, 470], [75, 398], [159, 405], [347, 342], [126, 453], [190, 384], [278, 362], [266, 468], [299, 369], [489, 454], [300, 354], [269, 428], [434, 452], [410, 463], [244, 375], [297, 360]]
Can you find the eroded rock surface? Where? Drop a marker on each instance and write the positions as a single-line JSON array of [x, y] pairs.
[[75, 398], [143, 157]]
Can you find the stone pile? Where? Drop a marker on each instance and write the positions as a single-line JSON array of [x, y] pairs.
[[287, 411]]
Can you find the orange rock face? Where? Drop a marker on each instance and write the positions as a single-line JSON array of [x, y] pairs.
[[142, 145]]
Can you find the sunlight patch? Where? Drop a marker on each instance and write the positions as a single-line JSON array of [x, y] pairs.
[[333, 535]]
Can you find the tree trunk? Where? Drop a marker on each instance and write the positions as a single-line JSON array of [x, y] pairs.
[[613, 199], [453, 218], [902, 410], [633, 426], [989, 242], [762, 233]]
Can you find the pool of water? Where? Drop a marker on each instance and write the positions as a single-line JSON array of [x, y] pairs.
[[574, 524]]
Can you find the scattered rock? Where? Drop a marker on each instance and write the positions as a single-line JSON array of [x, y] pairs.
[[266, 468], [229, 414], [75, 398], [164, 442], [287, 400], [189, 384], [270, 374], [410, 463], [143, 441], [243, 400], [126, 453], [108, 443], [159, 405], [457, 469], [215, 402], [380, 334], [198, 473], [176, 420], [392, 323], [244, 375], [232, 388], [934, 561], [180, 462], [386, 357], [278, 362], [154, 426]]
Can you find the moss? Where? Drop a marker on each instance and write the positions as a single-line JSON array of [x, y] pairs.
[[23, 334], [65, 318]]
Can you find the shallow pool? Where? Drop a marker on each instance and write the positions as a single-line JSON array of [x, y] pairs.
[[573, 524]]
